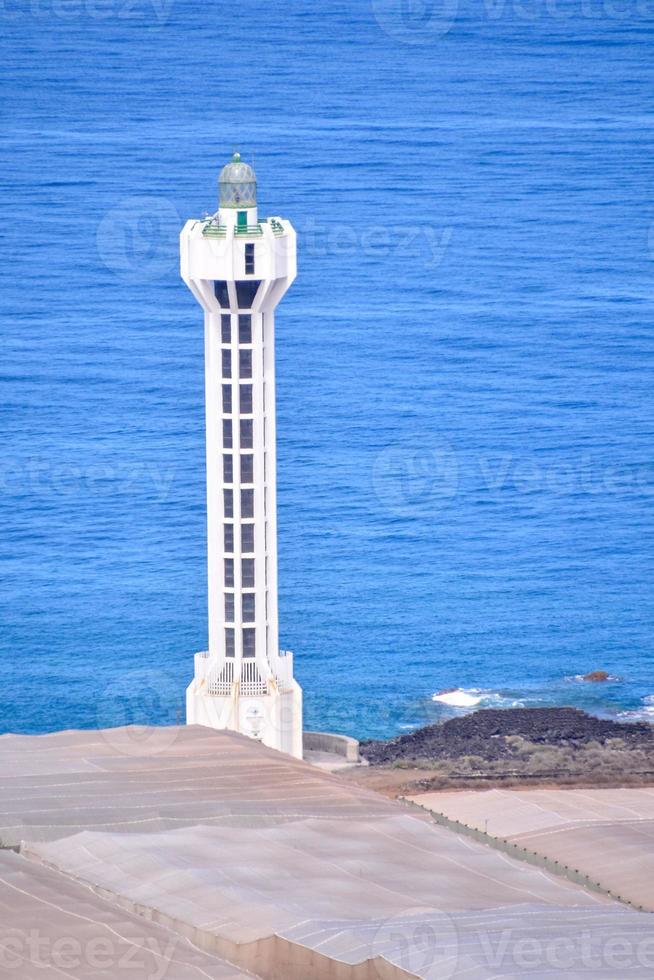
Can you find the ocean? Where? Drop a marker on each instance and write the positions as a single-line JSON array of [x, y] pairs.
[[464, 362]]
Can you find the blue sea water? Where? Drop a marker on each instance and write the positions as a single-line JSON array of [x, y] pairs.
[[464, 362]]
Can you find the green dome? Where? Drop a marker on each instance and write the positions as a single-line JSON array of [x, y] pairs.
[[237, 184]]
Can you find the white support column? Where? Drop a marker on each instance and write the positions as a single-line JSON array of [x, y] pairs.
[[260, 537], [215, 542], [271, 480]]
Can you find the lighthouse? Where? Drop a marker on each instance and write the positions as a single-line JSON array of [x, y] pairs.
[[238, 266]]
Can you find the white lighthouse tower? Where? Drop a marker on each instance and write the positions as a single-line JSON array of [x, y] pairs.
[[238, 267]]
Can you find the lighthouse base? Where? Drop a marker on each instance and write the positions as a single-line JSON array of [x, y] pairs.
[[273, 718]]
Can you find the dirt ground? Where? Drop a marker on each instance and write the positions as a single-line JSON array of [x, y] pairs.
[[395, 782]]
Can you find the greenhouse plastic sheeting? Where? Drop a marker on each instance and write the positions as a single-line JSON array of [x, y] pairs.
[[607, 834], [415, 896], [270, 864], [52, 928], [136, 779]]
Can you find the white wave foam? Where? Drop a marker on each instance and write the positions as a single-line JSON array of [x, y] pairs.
[[473, 697], [457, 698], [646, 713]]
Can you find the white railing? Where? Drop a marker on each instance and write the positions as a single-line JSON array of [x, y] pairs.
[[222, 678], [253, 680], [252, 683]]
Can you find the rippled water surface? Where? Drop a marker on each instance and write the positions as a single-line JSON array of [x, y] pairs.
[[464, 363]]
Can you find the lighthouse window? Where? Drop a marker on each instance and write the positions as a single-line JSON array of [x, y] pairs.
[[227, 364], [227, 433], [247, 469], [226, 328], [227, 399], [246, 290], [229, 573], [249, 259], [229, 642], [248, 607], [247, 537], [247, 573], [228, 496], [220, 292], [229, 536], [246, 433], [246, 399], [244, 363], [245, 328], [247, 503], [229, 607], [248, 642], [228, 469]]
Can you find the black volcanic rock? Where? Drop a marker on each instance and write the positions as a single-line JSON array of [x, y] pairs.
[[484, 734]]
